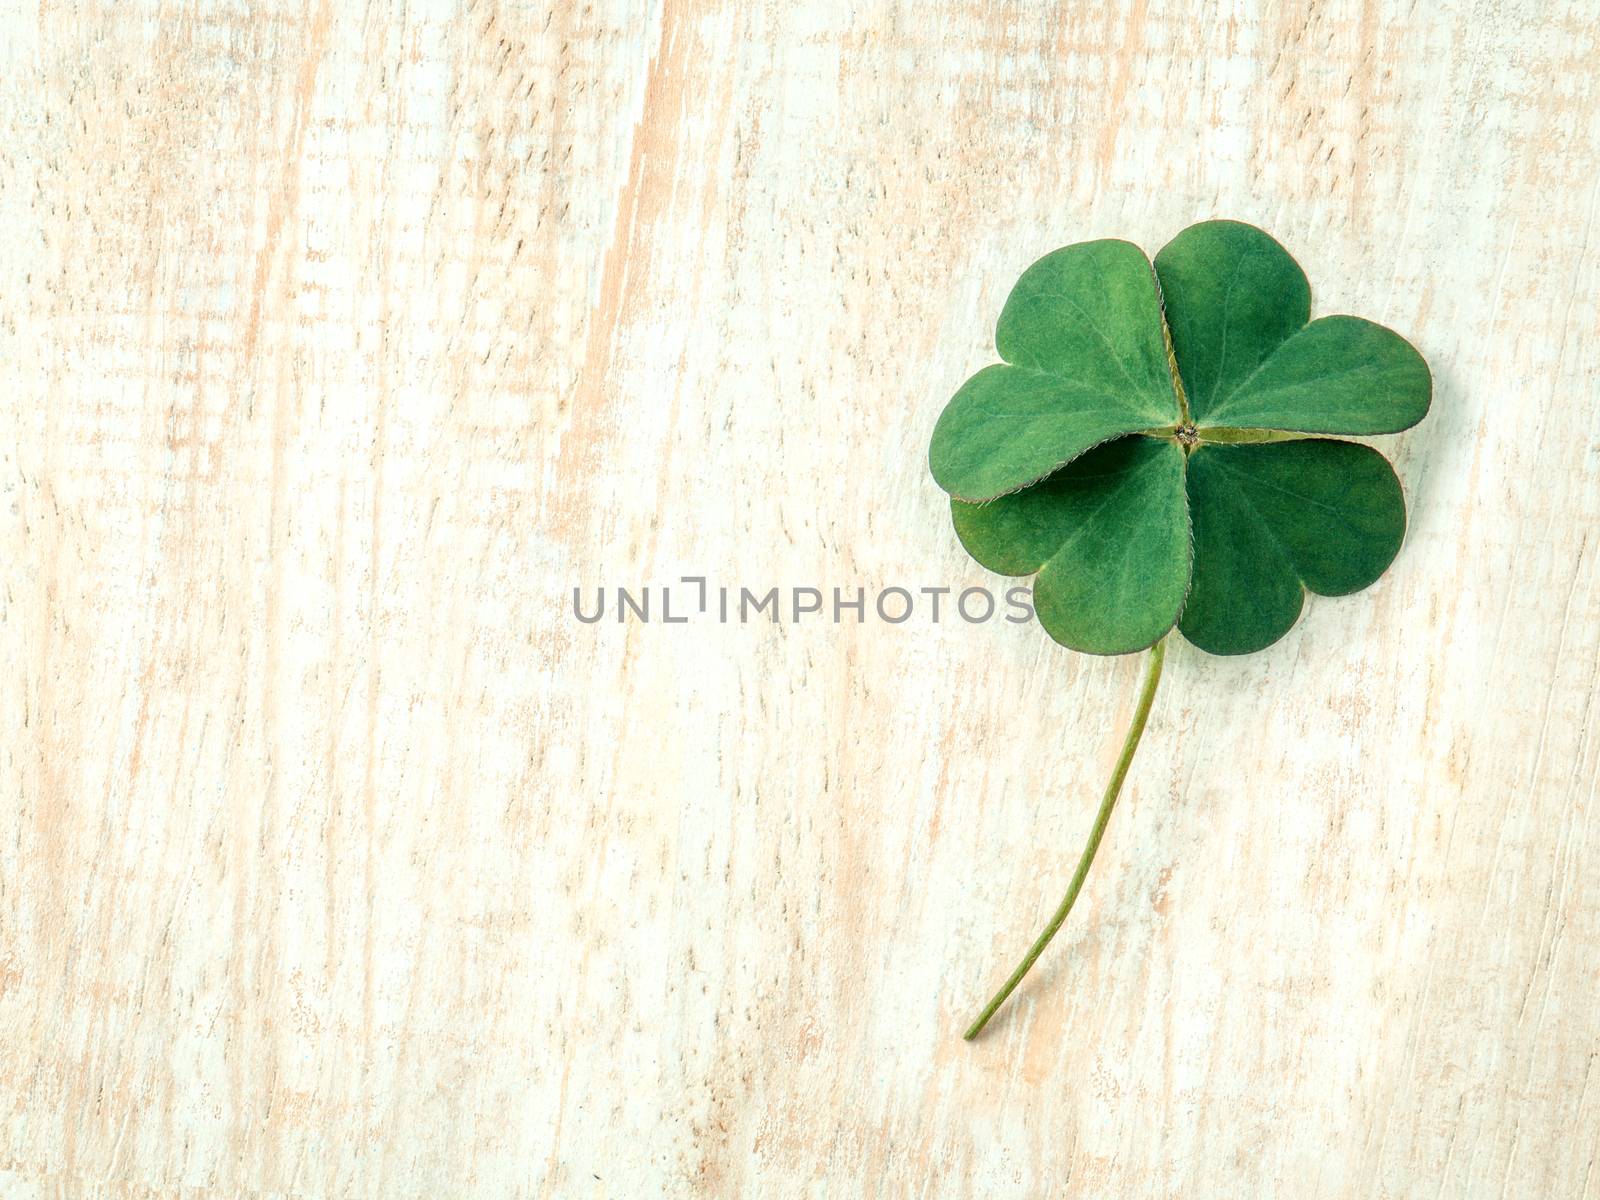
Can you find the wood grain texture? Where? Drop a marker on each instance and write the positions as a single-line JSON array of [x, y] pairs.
[[337, 859]]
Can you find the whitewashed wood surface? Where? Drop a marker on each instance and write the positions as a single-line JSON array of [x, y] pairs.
[[339, 342]]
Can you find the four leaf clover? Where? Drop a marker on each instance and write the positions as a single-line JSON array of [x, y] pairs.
[[1146, 446], [1150, 451]]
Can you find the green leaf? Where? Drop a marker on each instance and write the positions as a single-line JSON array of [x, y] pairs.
[[1109, 537], [1337, 375], [1237, 305], [1177, 483], [1233, 296], [1085, 337], [1273, 519], [1082, 334]]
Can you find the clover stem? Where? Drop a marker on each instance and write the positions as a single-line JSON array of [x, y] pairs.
[[1141, 714]]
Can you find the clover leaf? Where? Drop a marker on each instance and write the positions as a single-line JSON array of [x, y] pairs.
[[1148, 451]]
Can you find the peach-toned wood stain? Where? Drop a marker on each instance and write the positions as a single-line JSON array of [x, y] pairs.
[[339, 342]]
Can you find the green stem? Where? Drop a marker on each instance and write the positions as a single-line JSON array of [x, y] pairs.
[[1141, 714]]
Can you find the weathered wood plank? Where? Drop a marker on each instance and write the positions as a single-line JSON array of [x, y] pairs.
[[337, 344]]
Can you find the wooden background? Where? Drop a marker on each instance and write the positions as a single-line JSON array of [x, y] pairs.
[[338, 343]]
